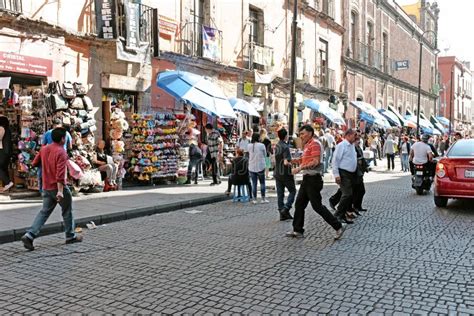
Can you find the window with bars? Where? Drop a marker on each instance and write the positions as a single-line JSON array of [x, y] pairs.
[[11, 5]]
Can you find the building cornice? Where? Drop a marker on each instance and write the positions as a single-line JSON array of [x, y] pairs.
[[32, 28], [312, 12], [395, 15], [375, 73]]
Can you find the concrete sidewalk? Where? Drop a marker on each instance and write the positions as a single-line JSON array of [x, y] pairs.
[[17, 216]]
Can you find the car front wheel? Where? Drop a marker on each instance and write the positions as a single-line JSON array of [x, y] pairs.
[[440, 201]]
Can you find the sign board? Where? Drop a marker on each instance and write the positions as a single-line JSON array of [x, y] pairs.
[[105, 13], [132, 18], [26, 65], [402, 65], [118, 82]]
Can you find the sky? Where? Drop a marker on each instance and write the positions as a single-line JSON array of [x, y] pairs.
[[456, 24]]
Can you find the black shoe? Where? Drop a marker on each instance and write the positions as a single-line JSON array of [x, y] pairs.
[[214, 183], [361, 210], [78, 238], [188, 182], [27, 242], [285, 215]]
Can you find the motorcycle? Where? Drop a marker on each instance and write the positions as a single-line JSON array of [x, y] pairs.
[[422, 179]]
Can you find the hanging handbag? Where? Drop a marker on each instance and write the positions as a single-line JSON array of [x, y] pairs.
[[68, 91], [57, 103], [88, 105], [79, 88], [77, 104]]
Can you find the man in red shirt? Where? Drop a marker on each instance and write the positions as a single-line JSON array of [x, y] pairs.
[[310, 189], [53, 160]]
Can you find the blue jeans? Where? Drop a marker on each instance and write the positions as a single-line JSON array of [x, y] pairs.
[[282, 183], [261, 178], [405, 164], [49, 203], [327, 158]]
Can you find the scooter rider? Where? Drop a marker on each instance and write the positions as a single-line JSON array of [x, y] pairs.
[[421, 154]]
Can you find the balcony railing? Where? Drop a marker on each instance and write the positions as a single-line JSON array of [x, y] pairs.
[[257, 56], [196, 39], [326, 78], [145, 23], [328, 8], [11, 5], [367, 55]]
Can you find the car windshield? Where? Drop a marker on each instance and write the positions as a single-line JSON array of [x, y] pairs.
[[462, 148]]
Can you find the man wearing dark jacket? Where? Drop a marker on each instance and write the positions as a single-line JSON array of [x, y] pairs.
[[283, 176]]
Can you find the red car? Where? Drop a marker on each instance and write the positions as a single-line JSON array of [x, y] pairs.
[[455, 173]]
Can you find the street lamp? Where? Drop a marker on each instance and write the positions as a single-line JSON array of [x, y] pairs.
[[419, 80]]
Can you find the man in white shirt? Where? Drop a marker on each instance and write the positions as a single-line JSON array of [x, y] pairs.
[[420, 153], [344, 167], [244, 142], [331, 142]]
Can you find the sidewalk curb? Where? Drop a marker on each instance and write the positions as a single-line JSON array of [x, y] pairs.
[[12, 235]]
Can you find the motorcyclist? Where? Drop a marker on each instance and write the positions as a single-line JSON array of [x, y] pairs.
[[421, 154]]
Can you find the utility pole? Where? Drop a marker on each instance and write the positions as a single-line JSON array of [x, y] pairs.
[[293, 71]]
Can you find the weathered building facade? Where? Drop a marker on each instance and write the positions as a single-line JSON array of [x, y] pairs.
[[381, 51], [456, 95]]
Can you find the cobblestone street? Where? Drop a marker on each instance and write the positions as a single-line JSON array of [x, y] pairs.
[[403, 255]]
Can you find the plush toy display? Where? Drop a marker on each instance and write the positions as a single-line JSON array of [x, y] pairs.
[[155, 149]]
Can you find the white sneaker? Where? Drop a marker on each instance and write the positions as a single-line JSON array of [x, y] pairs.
[[254, 201], [264, 201]]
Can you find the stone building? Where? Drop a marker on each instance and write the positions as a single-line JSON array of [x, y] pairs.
[[456, 95], [254, 48], [381, 51]]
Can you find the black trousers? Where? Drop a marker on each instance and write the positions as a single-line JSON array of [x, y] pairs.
[[348, 180], [359, 192], [357, 196], [4, 162], [391, 161], [310, 191], [215, 170]]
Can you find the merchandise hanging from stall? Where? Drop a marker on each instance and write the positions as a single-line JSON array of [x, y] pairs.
[[155, 149]]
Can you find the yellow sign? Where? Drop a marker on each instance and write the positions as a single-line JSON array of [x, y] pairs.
[[248, 88]]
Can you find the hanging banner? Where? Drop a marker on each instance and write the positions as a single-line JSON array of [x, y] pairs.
[[105, 15], [132, 20], [263, 55], [211, 46], [167, 26]]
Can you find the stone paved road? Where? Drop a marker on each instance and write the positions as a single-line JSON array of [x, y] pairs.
[[403, 256]]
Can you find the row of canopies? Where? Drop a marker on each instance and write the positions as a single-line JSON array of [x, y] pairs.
[[390, 117], [202, 94]]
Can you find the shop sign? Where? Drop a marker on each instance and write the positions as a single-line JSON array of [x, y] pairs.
[[167, 26], [118, 82], [105, 13], [248, 89], [402, 64], [26, 65], [132, 14]]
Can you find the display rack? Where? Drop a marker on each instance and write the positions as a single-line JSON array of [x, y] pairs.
[[155, 150]]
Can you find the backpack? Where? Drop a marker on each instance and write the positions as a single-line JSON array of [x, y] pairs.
[[68, 91], [54, 100], [88, 105]]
